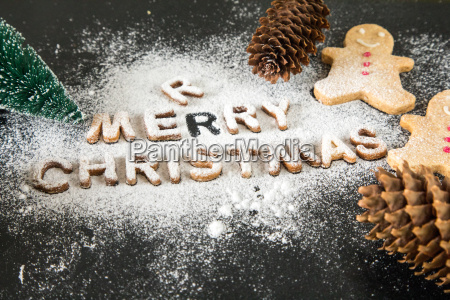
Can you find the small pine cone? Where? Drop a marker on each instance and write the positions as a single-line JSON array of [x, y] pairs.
[[411, 213], [286, 36]]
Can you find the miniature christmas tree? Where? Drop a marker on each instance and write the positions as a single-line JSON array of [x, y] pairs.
[[27, 85], [286, 36]]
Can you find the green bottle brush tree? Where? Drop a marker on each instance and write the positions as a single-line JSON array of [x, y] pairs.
[[27, 84]]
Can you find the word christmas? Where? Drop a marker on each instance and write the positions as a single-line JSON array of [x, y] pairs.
[[161, 126]]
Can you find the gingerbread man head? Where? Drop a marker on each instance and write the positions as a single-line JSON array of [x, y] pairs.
[[370, 37], [438, 112]]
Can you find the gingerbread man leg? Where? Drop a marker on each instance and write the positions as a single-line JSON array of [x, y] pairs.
[[413, 152], [417, 156], [336, 90], [397, 156], [391, 100]]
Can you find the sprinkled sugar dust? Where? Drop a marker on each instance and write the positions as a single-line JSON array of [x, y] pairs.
[[136, 87], [280, 210]]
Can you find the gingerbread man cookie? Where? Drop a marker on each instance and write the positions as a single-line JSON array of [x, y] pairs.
[[365, 69], [429, 144]]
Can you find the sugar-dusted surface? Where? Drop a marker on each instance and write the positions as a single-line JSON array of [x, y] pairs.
[[136, 87], [294, 233]]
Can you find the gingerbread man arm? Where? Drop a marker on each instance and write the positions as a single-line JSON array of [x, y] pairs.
[[404, 64], [411, 122], [329, 54]]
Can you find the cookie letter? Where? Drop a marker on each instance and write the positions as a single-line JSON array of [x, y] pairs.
[[367, 146], [291, 159], [160, 127], [141, 165], [87, 170], [365, 69], [245, 114], [307, 154], [47, 186], [178, 87], [206, 170], [174, 171], [244, 159], [334, 149], [278, 112], [101, 124], [205, 119]]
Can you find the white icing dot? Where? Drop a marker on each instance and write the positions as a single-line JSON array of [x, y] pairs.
[[235, 197], [22, 196], [381, 34], [446, 110], [245, 204], [255, 206], [269, 196], [279, 213], [286, 189], [279, 196], [226, 210], [362, 31], [216, 229]]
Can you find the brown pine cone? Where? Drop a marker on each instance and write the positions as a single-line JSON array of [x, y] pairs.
[[286, 36], [411, 212]]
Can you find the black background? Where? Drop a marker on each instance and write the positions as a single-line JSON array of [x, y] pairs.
[[243, 266]]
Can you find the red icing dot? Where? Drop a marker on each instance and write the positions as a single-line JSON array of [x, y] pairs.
[[366, 64], [365, 73], [447, 139], [448, 128], [367, 54], [447, 149]]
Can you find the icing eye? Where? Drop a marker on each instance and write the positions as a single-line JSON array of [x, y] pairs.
[[362, 31], [446, 110], [381, 34]]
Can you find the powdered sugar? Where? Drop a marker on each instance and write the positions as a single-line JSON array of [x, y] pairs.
[[137, 87], [284, 204], [216, 229]]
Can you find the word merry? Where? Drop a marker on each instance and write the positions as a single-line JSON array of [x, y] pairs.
[[160, 125]]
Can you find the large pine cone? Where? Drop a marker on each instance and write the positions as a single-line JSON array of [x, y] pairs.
[[286, 36], [412, 214]]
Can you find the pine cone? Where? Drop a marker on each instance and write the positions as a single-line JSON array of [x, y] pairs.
[[412, 214], [286, 36]]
